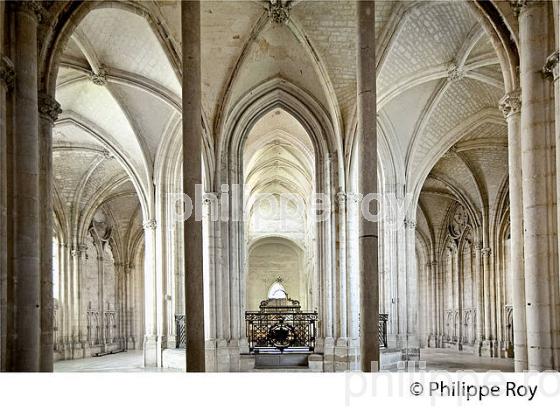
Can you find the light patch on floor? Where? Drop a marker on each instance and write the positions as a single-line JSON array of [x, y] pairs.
[[131, 361]]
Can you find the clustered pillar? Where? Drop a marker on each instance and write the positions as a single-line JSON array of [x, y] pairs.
[[26, 209], [538, 194]]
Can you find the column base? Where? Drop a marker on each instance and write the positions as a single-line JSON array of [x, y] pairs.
[[130, 343], [228, 354], [78, 351], [346, 355], [150, 351], [328, 348], [488, 348], [210, 358]]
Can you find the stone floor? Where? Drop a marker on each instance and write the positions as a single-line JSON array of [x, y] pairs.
[[436, 360], [130, 361], [453, 360]]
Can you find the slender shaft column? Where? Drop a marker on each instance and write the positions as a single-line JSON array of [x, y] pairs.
[[192, 139], [342, 330], [552, 69], [7, 75], [368, 234], [479, 295], [538, 168], [433, 301], [459, 272], [151, 352], [411, 308], [486, 275], [26, 210], [511, 108], [100, 293], [48, 110]]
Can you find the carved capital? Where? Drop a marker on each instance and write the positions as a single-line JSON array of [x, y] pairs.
[[486, 251], [410, 224], [7, 72], [99, 78], [34, 9], [209, 197], [82, 248], [150, 224], [517, 6], [341, 198], [49, 108], [511, 103], [279, 11], [550, 69]]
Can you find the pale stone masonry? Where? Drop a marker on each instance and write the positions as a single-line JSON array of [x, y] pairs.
[[449, 110]]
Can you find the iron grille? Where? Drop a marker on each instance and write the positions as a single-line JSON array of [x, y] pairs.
[[180, 335], [382, 326], [280, 324]]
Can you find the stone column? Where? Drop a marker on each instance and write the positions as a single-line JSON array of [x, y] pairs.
[[81, 304], [479, 296], [487, 344], [7, 77], [49, 110], [511, 108], [459, 270], [127, 319], [538, 170], [151, 352], [192, 184], [26, 209], [552, 70], [410, 294], [100, 293], [368, 234]]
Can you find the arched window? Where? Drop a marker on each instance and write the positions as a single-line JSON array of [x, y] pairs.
[[277, 291]]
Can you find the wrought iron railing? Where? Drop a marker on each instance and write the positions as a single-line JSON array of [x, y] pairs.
[[383, 318], [180, 334], [279, 325]]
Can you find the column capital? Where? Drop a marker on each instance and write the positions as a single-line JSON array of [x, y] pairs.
[[410, 224], [341, 197], [208, 197], [486, 251], [34, 9], [517, 6], [150, 224], [49, 108], [510, 103], [550, 69], [7, 72], [278, 11]]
